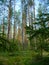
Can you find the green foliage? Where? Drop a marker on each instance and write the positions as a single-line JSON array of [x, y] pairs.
[[13, 46], [8, 45], [42, 32], [46, 47]]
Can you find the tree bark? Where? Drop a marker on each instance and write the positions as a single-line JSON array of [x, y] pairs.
[[9, 20], [14, 34]]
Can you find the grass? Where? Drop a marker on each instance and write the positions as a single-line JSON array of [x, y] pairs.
[[44, 61], [22, 58]]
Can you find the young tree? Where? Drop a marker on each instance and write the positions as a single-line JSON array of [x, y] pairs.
[[42, 31]]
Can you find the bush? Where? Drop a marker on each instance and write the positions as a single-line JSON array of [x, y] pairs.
[[9, 46]]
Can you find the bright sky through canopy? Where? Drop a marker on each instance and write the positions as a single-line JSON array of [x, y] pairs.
[[18, 5]]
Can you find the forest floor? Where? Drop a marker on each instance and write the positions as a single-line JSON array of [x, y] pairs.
[[23, 58]]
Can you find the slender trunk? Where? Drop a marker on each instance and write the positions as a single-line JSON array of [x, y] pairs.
[[41, 48], [34, 21], [29, 21], [22, 26], [22, 33], [3, 18], [33, 11], [29, 15], [3, 27], [19, 34], [23, 22], [9, 18], [14, 34]]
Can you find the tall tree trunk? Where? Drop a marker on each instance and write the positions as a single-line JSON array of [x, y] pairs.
[[33, 11], [34, 21], [3, 18], [14, 34], [3, 27], [9, 18], [23, 24], [19, 34], [29, 15], [22, 31]]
